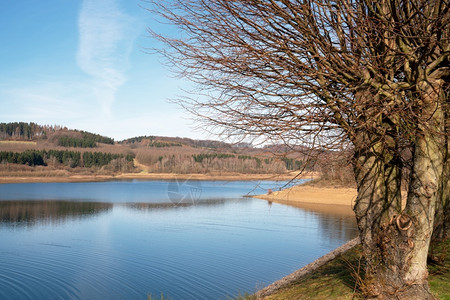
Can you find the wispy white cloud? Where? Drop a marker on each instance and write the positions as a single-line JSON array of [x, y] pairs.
[[47, 101], [106, 36]]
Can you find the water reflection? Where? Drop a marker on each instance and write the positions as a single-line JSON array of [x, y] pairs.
[[124, 240], [334, 221], [169, 205], [28, 213]]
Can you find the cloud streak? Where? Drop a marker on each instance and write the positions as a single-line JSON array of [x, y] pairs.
[[106, 36], [47, 101]]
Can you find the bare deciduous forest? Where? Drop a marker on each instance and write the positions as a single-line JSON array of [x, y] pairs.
[[28, 147]]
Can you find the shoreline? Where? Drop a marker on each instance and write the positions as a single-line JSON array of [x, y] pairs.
[[313, 195], [29, 178], [336, 200]]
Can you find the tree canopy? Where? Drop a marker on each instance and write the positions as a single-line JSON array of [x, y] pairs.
[[292, 70], [371, 75]]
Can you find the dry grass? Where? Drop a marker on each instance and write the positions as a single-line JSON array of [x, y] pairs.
[[17, 142], [14, 170]]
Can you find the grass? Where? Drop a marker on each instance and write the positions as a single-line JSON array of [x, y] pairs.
[[335, 280], [439, 269], [340, 279], [245, 297]]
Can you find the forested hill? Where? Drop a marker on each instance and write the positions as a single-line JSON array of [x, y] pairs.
[[24, 146], [25, 131], [65, 137], [163, 141], [62, 136]]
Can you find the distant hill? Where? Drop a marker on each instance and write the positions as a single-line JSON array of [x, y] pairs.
[[78, 138], [59, 148], [61, 136], [178, 141]]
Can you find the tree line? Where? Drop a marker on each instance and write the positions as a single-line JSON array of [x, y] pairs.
[[67, 141], [88, 140], [290, 163], [97, 138], [29, 157], [22, 130], [152, 142], [200, 157], [164, 144], [219, 162], [68, 158], [176, 141], [30, 131]]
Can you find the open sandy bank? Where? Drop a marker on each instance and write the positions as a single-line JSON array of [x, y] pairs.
[[146, 176], [316, 195]]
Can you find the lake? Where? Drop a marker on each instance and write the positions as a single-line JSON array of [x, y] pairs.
[[128, 239]]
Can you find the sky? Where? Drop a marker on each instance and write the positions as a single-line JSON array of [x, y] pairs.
[[84, 64]]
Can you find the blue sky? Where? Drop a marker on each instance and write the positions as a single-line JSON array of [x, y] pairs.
[[82, 64]]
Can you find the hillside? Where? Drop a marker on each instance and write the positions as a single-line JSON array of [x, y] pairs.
[[44, 149]]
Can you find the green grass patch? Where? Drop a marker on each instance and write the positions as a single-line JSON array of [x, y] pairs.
[[439, 269]]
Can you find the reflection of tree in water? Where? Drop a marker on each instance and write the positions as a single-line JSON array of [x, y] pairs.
[[338, 227], [334, 221], [30, 212], [170, 205]]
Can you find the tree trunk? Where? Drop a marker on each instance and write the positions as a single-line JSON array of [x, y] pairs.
[[441, 229], [378, 176], [415, 225], [395, 242]]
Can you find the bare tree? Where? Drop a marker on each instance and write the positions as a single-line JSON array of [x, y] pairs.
[[372, 75]]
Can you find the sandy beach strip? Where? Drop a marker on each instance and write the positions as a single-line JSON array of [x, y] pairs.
[[310, 194]]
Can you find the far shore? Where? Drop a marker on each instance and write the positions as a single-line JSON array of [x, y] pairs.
[[29, 178], [312, 195], [300, 195]]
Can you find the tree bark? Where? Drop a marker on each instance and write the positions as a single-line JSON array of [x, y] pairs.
[[441, 229], [378, 176], [395, 242]]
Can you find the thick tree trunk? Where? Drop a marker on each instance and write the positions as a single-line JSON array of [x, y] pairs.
[[446, 173], [378, 175], [442, 216], [396, 242]]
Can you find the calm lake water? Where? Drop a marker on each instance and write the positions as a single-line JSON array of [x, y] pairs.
[[128, 239]]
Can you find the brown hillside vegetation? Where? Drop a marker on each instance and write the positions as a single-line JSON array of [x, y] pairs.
[[62, 152]]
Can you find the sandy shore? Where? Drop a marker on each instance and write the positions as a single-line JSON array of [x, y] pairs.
[[148, 176], [316, 195]]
